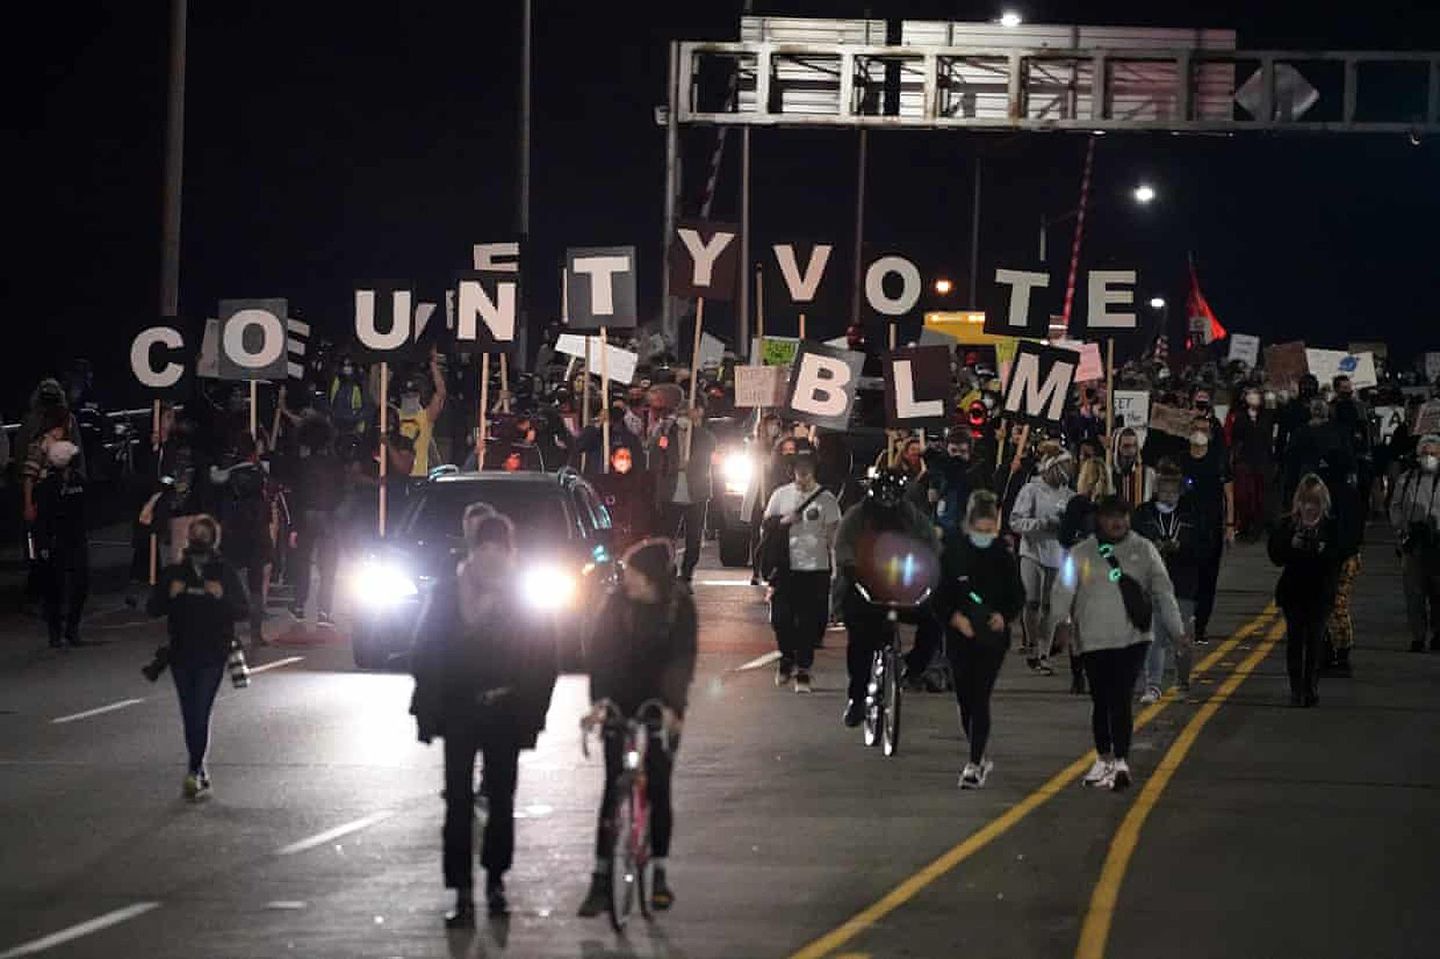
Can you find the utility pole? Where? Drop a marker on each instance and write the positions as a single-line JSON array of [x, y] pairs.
[[859, 225], [174, 166], [522, 213]]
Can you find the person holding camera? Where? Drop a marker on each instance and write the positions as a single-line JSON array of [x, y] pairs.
[[1307, 546], [203, 598], [1415, 517]]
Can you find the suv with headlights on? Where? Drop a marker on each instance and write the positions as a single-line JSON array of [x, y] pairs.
[[562, 534]]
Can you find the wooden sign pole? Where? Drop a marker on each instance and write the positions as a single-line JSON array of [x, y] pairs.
[[1110, 403], [694, 371], [384, 441], [484, 411], [505, 383], [759, 316], [254, 409], [802, 326], [604, 398], [155, 444]]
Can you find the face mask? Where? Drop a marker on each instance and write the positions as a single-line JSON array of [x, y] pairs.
[[410, 403], [1165, 506], [982, 540], [989, 402], [1200, 439], [1430, 463], [347, 371]]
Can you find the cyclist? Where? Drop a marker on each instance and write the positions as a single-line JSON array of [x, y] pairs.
[[885, 509], [643, 647]]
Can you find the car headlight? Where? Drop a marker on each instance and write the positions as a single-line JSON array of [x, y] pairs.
[[382, 584], [546, 586], [737, 470]]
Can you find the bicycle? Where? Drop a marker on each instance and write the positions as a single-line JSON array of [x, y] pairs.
[[883, 692], [630, 861]]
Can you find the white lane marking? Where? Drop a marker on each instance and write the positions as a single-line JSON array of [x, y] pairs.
[[331, 834], [759, 662], [98, 711], [275, 665], [79, 930]]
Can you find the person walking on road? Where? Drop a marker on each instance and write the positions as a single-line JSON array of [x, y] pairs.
[[1106, 598], [1252, 441], [979, 596], [202, 598], [316, 541], [644, 648], [1306, 545], [1415, 517], [483, 680], [246, 515], [1036, 517], [1168, 521], [682, 485], [1207, 479], [808, 515], [54, 494]]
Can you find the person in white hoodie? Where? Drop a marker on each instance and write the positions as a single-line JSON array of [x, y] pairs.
[[1112, 630], [1036, 517]]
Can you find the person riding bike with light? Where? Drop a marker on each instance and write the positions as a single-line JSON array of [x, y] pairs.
[[862, 549]]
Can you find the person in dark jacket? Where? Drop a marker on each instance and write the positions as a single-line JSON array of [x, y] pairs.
[[54, 494], [245, 515], [643, 647], [682, 475], [320, 478], [1252, 448], [978, 598], [1169, 521], [483, 680], [1306, 545], [203, 598]]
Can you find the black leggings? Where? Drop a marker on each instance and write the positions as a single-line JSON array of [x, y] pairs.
[[1112, 674], [1304, 648], [659, 765], [976, 663]]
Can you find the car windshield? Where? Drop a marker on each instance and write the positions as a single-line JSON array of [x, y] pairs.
[[537, 510]]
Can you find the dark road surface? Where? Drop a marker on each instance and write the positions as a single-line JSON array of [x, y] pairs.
[[1253, 829]]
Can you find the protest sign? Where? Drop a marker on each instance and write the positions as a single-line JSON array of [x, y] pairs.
[[252, 340], [1172, 420], [155, 360], [1284, 365], [600, 287], [622, 362], [823, 382], [1245, 349], [917, 387], [1432, 367], [759, 386], [1325, 365], [1038, 382], [704, 260], [1092, 365], [778, 350], [1132, 408], [1388, 420], [1427, 418]]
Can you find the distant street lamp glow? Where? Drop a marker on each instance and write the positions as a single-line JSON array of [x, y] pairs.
[[1144, 193], [943, 286], [1010, 19], [1157, 303]]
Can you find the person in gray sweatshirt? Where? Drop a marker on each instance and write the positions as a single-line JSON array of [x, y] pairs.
[[1036, 517], [1111, 629]]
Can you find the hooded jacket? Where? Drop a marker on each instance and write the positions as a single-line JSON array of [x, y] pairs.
[[1036, 517], [1085, 593], [1178, 536], [201, 625], [639, 651]]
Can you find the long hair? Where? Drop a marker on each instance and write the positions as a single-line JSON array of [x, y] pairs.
[[1094, 479], [1310, 489]]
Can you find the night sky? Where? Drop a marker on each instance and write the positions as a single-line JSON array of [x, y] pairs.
[[328, 143]]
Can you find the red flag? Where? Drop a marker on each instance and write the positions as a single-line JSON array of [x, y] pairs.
[[1200, 309]]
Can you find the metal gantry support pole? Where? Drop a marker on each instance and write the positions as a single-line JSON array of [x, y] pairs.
[[860, 165], [742, 327], [672, 166], [975, 240]]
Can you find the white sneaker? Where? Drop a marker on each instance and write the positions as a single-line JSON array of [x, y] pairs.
[[802, 682], [1151, 696], [1099, 772], [970, 776], [1120, 775]]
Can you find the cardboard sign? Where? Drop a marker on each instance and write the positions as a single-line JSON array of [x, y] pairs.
[[759, 386], [486, 310], [1325, 365], [1019, 302], [1427, 418], [823, 384], [704, 260], [252, 340], [1388, 420], [1284, 365], [296, 341], [1245, 349], [712, 352], [1132, 408], [879, 280], [802, 267], [1379, 348], [1038, 383], [917, 387], [1092, 365], [1432, 367], [154, 357], [622, 363], [1172, 420], [600, 287], [778, 350], [384, 319]]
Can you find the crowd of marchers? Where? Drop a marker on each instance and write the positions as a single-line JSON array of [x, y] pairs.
[[1089, 546]]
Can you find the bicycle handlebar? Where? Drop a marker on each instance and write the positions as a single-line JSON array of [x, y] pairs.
[[615, 719]]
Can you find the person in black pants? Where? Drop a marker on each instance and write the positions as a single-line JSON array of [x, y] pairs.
[[808, 515], [203, 598], [55, 506], [315, 541], [979, 596], [1307, 545], [1208, 481], [484, 673], [682, 476], [643, 648]]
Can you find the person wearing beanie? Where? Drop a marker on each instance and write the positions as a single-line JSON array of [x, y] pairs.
[[1036, 518], [643, 647]]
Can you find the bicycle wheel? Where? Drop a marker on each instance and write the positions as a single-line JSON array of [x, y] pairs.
[[624, 871], [874, 707], [640, 843], [890, 726]]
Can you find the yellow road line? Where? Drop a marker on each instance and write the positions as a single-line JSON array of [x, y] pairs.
[[995, 828], [1096, 930]]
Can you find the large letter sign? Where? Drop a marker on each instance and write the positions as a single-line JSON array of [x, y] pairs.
[[487, 298], [822, 385], [168, 374], [600, 287], [917, 387], [1040, 380], [387, 307], [1110, 288], [253, 340], [802, 287], [704, 260], [875, 286], [1019, 304]]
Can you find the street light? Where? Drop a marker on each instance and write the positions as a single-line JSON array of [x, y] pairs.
[[944, 286], [1010, 19], [1144, 193], [1157, 303]]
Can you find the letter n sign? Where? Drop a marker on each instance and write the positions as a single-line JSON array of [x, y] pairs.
[[822, 386], [1040, 381]]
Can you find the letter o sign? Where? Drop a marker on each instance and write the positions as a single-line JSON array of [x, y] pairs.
[[272, 339], [875, 286]]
